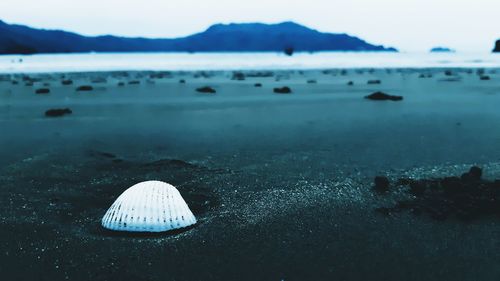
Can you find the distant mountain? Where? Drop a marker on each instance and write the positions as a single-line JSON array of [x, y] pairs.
[[442, 50], [497, 47], [252, 37]]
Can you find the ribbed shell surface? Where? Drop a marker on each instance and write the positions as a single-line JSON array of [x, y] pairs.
[[151, 206]]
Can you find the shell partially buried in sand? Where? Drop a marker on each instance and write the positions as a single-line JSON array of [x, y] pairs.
[[151, 206]]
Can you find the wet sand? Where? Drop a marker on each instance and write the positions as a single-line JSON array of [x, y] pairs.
[[281, 183]]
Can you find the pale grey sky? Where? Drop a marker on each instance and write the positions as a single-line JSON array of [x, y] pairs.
[[409, 25]]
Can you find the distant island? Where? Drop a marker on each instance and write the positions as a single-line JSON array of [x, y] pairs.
[[442, 50], [497, 47], [248, 37]]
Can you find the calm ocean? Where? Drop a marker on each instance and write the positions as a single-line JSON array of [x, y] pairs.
[[239, 61]]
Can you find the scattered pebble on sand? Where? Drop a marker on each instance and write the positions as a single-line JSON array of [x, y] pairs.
[[380, 96], [283, 90], [84, 88], [206, 90], [42, 91], [58, 112]]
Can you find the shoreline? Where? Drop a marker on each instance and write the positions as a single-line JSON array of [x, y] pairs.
[[188, 71], [241, 61]]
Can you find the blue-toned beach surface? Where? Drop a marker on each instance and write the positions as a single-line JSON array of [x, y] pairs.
[[281, 184]]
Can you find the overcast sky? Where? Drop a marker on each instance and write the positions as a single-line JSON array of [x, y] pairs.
[[409, 25]]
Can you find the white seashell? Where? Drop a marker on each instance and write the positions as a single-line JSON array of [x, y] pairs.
[[151, 206]]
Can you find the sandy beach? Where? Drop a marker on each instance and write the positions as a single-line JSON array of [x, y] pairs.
[[281, 183]]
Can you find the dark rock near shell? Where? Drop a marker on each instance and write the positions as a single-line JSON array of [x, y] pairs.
[[466, 198], [381, 184]]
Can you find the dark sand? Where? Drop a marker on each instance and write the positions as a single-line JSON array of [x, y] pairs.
[[281, 184]]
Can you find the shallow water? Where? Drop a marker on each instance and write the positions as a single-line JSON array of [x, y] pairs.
[[239, 61]]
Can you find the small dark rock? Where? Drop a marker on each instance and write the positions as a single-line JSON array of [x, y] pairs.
[[84, 88], [206, 90], [121, 84], [425, 75], [42, 91], [484, 77], [289, 51], [58, 112], [372, 82], [258, 85], [312, 81], [182, 81], [134, 82], [381, 184], [475, 173], [379, 96], [239, 76], [67, 82], [283, 90], [350, 83]]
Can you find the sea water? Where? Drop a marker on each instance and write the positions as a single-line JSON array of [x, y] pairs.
[[239, 61]]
